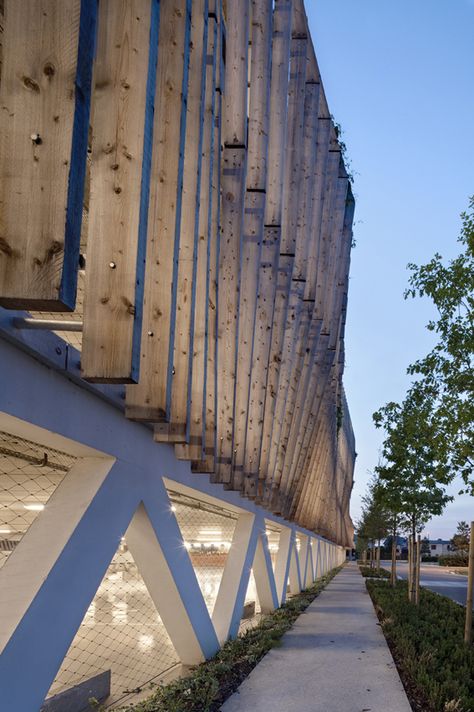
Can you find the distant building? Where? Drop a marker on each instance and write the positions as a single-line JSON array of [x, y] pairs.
[[440, 547]]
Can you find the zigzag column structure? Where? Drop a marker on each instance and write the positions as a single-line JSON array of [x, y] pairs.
[[175, 236]]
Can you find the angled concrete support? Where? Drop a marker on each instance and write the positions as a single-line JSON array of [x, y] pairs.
[[263, 571], [282, 566], [230, 599], [56, 589], [155, 542], [295, 572], [305, 562]]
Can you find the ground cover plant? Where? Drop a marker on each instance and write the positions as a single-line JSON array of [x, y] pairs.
[[436, 666], [374, 573], [212, 682]]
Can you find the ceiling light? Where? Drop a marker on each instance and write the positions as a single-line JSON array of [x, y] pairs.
[[36, 507], [5, 530]]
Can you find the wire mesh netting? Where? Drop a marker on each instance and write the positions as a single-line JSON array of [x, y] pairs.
[[121, 632], [273, 537], [29, 474], [207, 532]]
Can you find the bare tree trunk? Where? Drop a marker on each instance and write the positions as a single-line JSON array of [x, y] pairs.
[[413, 563], [470, 588], [393, 575], [418, 566], [410, 571]]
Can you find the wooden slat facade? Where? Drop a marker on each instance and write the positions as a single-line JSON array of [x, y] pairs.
[[219, 231]]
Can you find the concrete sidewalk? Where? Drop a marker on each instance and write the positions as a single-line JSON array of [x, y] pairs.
[[334, 659]]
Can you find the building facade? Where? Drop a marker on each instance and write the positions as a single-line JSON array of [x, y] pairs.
[[176, 450]]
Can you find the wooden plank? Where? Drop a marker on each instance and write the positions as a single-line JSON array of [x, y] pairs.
[[292, 181], [262, 340], [306, 433], [210, 386], [127, 49], [45, 95], [233, 176], [182, 315], [194, 450], [259, 94], [232, 208], [281, 43], [145, 401], [259, 100], [296, 330], [328, 267], [250, 263], [234, 128], [295, 323], [268, 275]]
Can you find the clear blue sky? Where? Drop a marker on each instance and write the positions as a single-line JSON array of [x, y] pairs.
[[399, 78]]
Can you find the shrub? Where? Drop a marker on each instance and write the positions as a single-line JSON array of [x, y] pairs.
[[373, 573], [428, 646], [429, 559], [460, 559]]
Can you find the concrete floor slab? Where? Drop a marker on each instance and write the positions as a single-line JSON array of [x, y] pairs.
[[334, 659]]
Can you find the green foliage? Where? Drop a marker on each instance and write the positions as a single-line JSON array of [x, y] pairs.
[[461, 559], [373, 573], [374, 522], [460, 541], [447, 372], [425, 547], [427, 644], [209, 684], [415, 468]]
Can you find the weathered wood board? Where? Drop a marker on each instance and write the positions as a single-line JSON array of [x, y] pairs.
[[45, 94], [127, 49]]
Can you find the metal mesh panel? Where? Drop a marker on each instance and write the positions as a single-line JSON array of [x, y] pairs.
[[121, 632], [207, 532], [273, 537], [252, 609], [29, 474]]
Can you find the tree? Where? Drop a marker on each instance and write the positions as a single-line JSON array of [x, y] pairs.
[[460, 541], [446, 374], [373, 525], [425, 546], [415, 466]]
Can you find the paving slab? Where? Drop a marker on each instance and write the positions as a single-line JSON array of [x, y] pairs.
[[334, 659]]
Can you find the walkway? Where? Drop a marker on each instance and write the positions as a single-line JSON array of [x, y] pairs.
[[334, 659]]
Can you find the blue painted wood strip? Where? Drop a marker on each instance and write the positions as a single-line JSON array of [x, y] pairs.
[[77, 163], [145, 187]]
